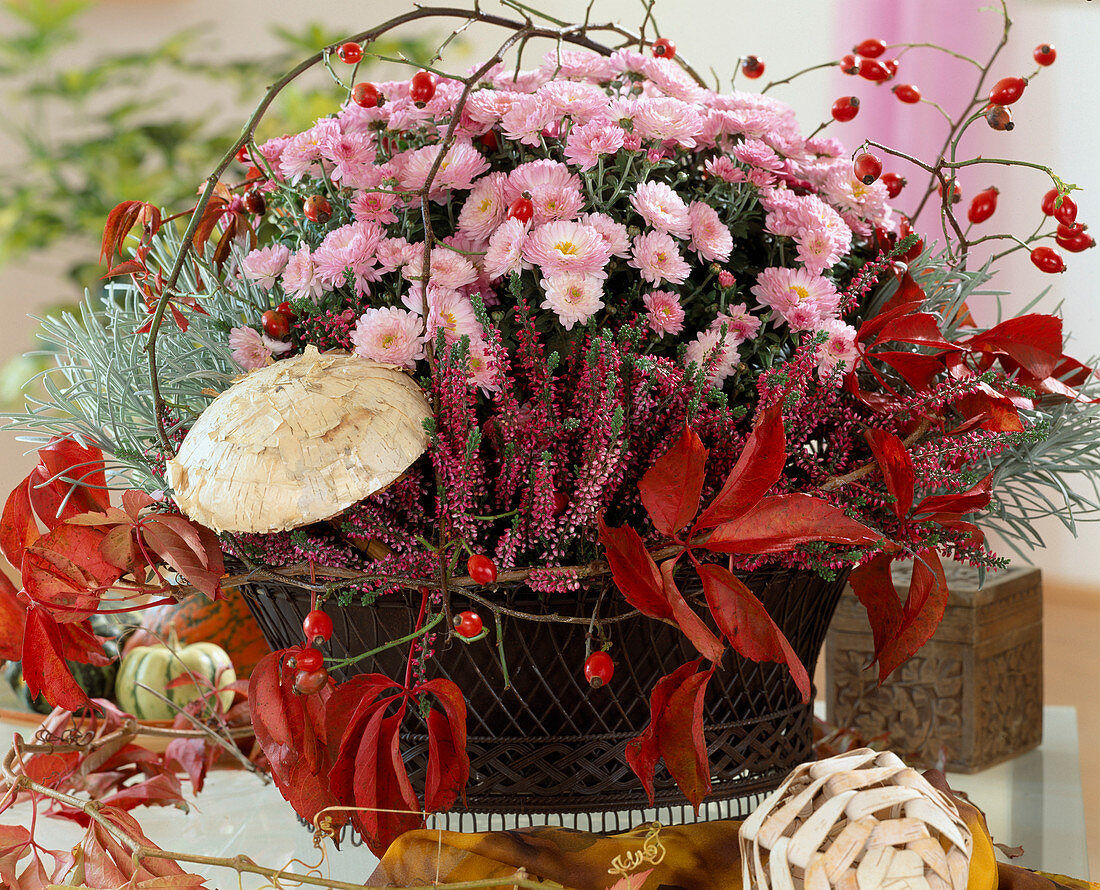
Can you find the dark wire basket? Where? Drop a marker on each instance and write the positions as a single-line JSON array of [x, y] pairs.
[[549, 743]]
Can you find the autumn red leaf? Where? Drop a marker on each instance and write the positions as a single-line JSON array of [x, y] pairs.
[[44, 667], [64, 458], [108, 863], [680, 737], [747, 625], [757, 469], [18, 529], [922, 614], [191, 549], [290, 729], [974, 498], [778, 523], [370, 773], [671, 488], [634, 571], [1033, 341], [643, 752], [896, 466], [873, 584], [686, 618], [13, 615], [448, 762]]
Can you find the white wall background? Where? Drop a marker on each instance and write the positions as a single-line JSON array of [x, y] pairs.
[[1058, 122]]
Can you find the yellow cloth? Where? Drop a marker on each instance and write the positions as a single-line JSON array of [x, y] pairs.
[[702, 856]]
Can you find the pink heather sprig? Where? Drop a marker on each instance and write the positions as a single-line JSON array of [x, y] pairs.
[[859, 289]]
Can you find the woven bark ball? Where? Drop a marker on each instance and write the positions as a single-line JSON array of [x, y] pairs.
[[299, 441], [862, 820]]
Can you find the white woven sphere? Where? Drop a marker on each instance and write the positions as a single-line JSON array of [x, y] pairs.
[[298, 442], [862, 820]]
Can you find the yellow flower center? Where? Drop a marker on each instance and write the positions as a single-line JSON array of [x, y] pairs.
[[573, 295], [566, 247], [800, 292], [485, 205], [662, 257], [387, 341]]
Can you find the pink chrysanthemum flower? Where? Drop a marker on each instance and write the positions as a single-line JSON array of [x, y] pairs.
[[555, 190], [448, 309], [710, 237], [817, 249], [756, 153], [567, 246], [614, 233], [393, 253], [717, 354], [484, 369], [662, 208], [389, 335], [449, 269], [587, 143], [799, 297], [839, 351], [672, 80], [248, 348], [375, 204], [300, 278], [656, 256], [739, 323], [349, 248], [664, 314], [560, 64], [352, 157], [581, 102], [460, 167], [525, 118], [724, 169], [302, 151], [505, 252], [726, 279], [486, 107], [667, 120], [573, 297], [263, 266], [485, 209]]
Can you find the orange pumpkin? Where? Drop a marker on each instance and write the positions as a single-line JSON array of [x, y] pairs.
[[226, 622]]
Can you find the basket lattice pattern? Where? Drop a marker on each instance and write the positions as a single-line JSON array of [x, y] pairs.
[[862, 820], [550, 744]]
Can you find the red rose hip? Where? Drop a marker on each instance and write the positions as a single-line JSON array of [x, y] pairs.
[[598, 669], [350, 53], [867, 168], [317, 626], [468, 624], [872, 48], [481, 568], [422, 87], [907, 93], [845, 108], [982, 205], [752, 67], [317, 209], [1007, 90], [1047, 259], [894, 183], [1045, 54], [664, 48], [310, 682], [365, 95]]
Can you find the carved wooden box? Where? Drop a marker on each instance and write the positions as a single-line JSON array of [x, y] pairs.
[[971, 697]]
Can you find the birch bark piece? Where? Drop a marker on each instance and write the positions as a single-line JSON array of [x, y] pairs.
[[859, 821], [298, 442]]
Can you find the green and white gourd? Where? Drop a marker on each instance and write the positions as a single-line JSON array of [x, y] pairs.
[[155, 667]]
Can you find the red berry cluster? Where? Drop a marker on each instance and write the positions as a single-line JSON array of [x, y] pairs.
[[311, 675], [1070, 234]]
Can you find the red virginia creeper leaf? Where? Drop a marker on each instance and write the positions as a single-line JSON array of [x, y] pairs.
[[634, 571], [642, 752], [923, 611], [709, 646], [672, 486], [974, 498], [64, 457], [448, 762], [756, 471], [778, 523], [18, 530], [680, 737], [290, 729], [896, 466], [44, 668], [873, 584], [745, 622], [13, 615], [197, 555], [1033, 341]]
